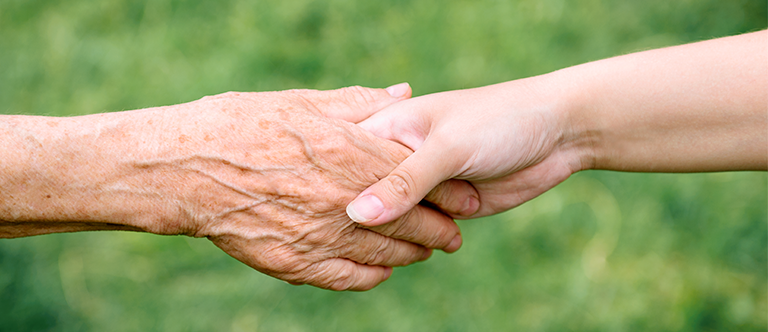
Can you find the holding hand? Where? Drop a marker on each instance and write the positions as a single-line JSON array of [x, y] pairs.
[[265, 176], [691, 108], [506, 140]]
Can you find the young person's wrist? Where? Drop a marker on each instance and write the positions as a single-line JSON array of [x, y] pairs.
[[578, 128]]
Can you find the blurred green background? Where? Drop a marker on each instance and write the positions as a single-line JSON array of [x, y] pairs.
[[602, 252]]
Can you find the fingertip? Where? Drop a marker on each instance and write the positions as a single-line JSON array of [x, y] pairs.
[[365, 209], [340, 274], [356, 103], [400, 91], [368, 210], [387, 272], [471, 206], [457, 198], [427, 255], [369, 277], [454, 245]]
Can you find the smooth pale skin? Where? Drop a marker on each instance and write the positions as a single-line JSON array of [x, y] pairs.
[[265, 176], [693, 108]]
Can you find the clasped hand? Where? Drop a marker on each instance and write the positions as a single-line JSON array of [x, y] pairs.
[[270, 175], [265, 176]]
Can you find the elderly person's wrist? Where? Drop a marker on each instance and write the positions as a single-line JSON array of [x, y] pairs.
[[265, 176], [50, 179]]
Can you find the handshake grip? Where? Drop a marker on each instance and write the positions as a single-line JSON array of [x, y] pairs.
[[267, 176]]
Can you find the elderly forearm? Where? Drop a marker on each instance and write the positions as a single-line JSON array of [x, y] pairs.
[[265, 176], [695, 107], [55, 176]]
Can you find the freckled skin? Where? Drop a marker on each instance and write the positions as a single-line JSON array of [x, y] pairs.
[[305, 172], [265, 176]]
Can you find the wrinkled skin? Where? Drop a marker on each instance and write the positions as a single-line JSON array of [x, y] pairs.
[[274, 196], [265, 176]]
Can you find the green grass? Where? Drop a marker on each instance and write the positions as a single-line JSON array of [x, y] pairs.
[[602, 252]]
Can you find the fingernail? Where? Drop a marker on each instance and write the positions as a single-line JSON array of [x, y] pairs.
[[365, 208], [454, 245], [388, 273], [426, 255], [398, 90], [470, 206]]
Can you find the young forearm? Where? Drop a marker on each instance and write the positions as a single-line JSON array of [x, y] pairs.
[[690, 108], [696, 107]]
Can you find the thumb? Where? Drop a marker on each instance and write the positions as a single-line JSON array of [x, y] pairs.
[[403, 188], [355, 103]]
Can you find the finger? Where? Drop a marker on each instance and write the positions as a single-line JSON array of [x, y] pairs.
[[458, 198], [404, 187], [425, 227], [342, 274], [355, 103], [371, 248], [517, 188], [403, 122]]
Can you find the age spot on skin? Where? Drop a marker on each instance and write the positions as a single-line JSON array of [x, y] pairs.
[[284, 114]]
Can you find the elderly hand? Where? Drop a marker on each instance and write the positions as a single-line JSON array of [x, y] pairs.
[[265, 176]]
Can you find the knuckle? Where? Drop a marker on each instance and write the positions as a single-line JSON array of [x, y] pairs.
[[442, 238], [441, 194], [401, 185], [445, 234], [341, 280], [378, 255], [439, 235], [315, 274], [359, 95], [314, 239], [298, 277], [410, 226], [389, 229], [285, 263]]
